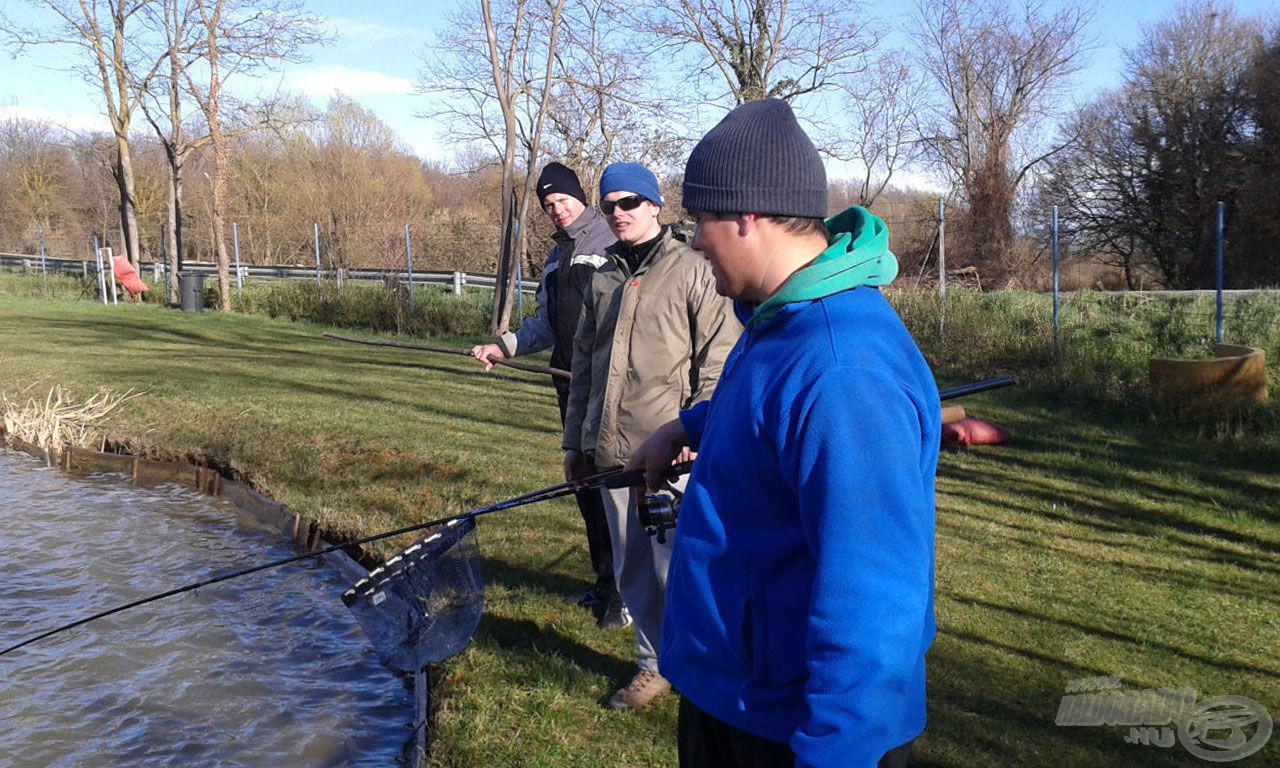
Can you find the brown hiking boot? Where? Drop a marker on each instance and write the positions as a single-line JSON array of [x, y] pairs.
[[643, 688]]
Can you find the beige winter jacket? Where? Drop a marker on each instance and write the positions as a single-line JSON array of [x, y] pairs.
[[648, 344]]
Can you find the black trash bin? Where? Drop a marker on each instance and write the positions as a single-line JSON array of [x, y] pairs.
[[191, 289]]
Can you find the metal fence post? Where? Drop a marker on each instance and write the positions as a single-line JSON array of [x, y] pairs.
[[97, 260], [457, 283], [1218, 276], [43, 269], [1057, 351], [408, 258], [111, 262], [519, 277], [164, 262], [317, 239], [942, 268], [235, 240]]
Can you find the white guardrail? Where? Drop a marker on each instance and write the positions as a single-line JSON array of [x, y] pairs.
[[86, 268]]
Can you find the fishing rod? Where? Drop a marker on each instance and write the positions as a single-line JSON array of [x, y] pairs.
[[615, 478], [556, 372], [975, 388]]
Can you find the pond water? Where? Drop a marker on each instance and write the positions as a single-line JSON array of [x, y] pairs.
[[265, 670]]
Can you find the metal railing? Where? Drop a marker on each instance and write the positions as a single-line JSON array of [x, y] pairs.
[[454, 280]]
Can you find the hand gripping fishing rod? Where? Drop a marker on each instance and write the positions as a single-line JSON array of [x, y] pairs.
[[615, 478], [556, 372]]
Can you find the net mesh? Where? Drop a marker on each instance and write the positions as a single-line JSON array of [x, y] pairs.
[[424, 604]]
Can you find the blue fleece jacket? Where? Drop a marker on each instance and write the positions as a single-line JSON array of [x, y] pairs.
[[800, 593]]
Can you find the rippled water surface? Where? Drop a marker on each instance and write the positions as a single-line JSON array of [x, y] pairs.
[[264, 670]]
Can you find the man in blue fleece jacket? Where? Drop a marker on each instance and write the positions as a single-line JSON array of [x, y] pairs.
[[800, 595]]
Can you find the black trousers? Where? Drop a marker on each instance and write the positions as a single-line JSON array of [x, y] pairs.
[[705, 742], [599, 545]]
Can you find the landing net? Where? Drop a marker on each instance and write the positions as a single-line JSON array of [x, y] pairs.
[[424, 604]]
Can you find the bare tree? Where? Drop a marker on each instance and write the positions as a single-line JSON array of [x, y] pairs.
[[365, 185], [117, 59], [166, 100], [999, 69], [36, 176], [495, 73], [760, 49], [234, 37], [1187, 76], [603, 105], [1141, 181], [1257, 229], [880, 113], [1096, 183]]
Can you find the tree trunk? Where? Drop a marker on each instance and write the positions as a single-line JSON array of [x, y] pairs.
[[219, 144], [173, 220], [128, 207], [503, 295]]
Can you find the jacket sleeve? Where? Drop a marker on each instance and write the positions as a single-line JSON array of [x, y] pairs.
[[694, 421], [535, 333], [580, 384], [863, 474], [715, 330]]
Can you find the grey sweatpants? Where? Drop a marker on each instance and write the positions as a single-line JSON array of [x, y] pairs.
[[640, 568]]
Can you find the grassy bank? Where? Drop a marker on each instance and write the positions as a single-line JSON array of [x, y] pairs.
[[1094, 545]]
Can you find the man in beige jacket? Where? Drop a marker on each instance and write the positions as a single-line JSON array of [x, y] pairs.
[[651, 340]]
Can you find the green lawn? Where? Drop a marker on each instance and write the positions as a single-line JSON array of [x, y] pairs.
[[1096, 544]]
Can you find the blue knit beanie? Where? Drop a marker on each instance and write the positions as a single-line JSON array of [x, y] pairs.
[[757, 160], [630, 177]]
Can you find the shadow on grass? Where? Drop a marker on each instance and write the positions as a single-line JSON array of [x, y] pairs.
[[983, 712], [256, 362], [519, 635]]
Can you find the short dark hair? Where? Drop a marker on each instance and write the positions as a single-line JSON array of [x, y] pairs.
[[798, 226], [801, 226]]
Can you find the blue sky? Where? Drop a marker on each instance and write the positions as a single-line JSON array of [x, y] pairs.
[[376, 56]]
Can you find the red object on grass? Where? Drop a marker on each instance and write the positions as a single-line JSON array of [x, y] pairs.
[[127, 276], [971, 431]]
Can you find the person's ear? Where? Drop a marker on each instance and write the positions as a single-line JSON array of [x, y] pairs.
[[748, 223]]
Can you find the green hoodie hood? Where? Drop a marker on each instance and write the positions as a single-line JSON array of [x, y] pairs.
[[858, 254]]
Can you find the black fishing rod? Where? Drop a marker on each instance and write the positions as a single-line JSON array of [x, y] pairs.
[[611, 479], [615, 478], [556, 372], [976, 387]]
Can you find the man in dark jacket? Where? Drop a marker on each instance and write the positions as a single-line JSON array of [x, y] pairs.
[[581, 238]]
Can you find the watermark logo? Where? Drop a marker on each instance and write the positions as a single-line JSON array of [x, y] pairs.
[[1218, 729]]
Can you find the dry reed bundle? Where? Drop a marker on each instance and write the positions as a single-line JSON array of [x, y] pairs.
[[57, 420]]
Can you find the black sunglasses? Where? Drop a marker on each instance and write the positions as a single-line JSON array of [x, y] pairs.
[[628, 203]]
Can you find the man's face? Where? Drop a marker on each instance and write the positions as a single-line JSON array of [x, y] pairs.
[[561, 209], [715, 236], [636, 225]]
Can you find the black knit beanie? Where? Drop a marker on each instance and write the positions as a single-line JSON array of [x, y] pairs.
[[557, 178], [757, 160]]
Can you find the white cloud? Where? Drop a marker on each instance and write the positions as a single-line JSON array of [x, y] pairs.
[[351, 30], [324, 81]]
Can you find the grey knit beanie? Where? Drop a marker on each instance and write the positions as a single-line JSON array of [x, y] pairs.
[[757, 160]]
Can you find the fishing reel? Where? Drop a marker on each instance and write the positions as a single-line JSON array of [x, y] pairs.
[[657, 512]]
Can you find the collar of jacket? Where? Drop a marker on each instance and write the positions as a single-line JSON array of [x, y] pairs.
[[587, 218], [655, 251], [858, 254]]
